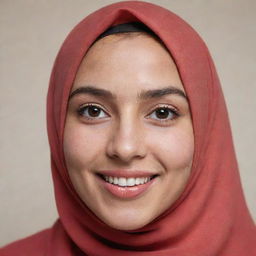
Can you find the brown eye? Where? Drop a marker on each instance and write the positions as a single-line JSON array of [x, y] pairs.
[[92, 112], [164, 114]]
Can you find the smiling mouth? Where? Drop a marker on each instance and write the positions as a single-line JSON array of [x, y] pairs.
[[127, 182]]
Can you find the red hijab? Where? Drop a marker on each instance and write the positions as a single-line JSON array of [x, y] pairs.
[[211, 217]]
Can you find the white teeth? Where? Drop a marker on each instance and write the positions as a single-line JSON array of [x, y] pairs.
[[137, 181], [111, 180], [123, 182], [115, 180], [130, 182]]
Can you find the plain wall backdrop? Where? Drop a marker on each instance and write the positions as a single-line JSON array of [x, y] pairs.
[[31, 34]]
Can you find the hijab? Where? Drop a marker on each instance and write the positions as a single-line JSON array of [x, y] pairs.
[[210, 217]]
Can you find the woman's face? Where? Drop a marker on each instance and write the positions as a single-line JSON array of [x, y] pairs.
[[128, 140]]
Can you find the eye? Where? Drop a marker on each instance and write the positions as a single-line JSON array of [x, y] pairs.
[[164, 114], [92, 111]]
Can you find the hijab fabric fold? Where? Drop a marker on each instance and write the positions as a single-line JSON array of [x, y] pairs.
[[210, 218]]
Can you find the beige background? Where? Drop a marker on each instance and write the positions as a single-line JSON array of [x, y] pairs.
[[31, 33]]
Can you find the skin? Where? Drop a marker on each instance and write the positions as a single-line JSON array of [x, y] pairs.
[[127, 132]]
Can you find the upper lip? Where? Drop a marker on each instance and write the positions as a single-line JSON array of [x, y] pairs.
[[125, 173]]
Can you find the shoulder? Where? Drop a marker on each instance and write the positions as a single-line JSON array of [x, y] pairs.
[[35, 244]]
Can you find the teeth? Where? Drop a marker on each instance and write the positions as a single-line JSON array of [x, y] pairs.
[[122, 182], [111, 180], [129, 182], [115, 180], [137, 181]]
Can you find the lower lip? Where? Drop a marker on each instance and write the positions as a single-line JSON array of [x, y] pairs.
[[127, 192]]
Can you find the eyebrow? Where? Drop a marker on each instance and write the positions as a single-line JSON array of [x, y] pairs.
[[145, 94]]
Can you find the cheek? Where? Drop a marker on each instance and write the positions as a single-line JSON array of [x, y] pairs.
[[82, 145], [174, 147]]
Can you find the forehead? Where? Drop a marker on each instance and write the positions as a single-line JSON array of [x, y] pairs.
[[127, 64]]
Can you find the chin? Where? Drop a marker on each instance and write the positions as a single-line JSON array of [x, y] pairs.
[[126, 222], [127, 226]]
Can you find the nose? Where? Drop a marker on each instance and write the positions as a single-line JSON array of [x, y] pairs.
[[127, 142]]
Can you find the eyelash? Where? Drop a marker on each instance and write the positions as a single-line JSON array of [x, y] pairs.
[[173, 111]]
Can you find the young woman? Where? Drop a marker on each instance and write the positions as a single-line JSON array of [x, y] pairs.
[[142, 155]]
